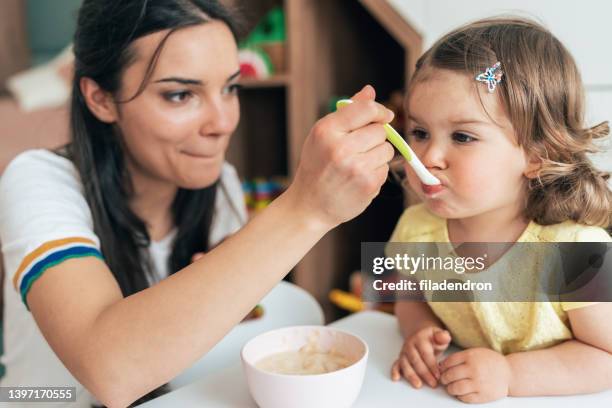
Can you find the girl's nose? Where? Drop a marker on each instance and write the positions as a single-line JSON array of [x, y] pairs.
[[433, 154]]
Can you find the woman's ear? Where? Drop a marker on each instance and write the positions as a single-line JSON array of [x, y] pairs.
[[99, 101]]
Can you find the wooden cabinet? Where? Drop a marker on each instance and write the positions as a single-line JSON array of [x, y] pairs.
[[334, 47]]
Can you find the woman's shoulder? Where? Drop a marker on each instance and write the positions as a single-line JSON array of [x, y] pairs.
[[417, 224], [41, 193], [568, 231], [38, 165]]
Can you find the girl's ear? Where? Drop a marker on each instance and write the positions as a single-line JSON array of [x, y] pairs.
[[534, 165], [99, 101]]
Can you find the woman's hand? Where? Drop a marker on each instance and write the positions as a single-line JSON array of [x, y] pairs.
[[344, 162], [476, 375], [417, 361]]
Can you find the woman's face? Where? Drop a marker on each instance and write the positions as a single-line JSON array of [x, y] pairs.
[[177, 130]]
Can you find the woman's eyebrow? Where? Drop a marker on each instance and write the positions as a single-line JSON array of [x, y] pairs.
[[184, 81], [234, 76], [189, 81]]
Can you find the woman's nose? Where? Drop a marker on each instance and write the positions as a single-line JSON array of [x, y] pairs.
[[220, 118]]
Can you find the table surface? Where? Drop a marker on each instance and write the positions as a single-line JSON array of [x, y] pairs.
[[228, 388], [303, 310]]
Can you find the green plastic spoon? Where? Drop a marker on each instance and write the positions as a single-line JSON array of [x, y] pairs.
[[400, 144]]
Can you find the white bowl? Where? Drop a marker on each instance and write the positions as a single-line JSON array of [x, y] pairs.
[[337, 389]]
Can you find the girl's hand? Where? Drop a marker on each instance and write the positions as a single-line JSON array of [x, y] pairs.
[[418, 359], [476, 375], [344, 162]]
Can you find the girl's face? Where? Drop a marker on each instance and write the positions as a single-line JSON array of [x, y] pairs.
[[475, 156], [177, 130]]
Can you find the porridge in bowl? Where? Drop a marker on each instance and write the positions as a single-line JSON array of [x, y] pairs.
[[309, 359], [305, 367]]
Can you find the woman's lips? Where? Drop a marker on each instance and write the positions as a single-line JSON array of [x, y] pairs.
[[430, 190], [200, 156]]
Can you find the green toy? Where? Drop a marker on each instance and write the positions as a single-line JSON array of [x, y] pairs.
[[270, 29], [259, 51]]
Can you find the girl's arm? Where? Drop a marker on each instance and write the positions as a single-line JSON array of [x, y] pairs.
[[583, 365], [414, 316]]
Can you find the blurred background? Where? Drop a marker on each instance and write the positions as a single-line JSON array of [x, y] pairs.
[[298, 57]]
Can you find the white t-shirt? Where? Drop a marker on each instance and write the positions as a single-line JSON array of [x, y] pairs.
[[45, 219]]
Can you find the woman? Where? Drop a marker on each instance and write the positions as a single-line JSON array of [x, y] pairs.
[[98, 240]]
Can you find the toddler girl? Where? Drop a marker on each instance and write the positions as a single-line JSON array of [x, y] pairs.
[[496, 112]]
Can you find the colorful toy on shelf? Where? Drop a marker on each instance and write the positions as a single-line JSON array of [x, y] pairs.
[[260, 192], [352, 302], [262, 53], [254, 63]]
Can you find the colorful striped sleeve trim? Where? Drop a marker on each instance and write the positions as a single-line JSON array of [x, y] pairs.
[[48, 255]]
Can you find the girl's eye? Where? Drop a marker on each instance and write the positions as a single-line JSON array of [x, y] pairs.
[[463, 138], [232, 89], [178, 97], [419, 134]]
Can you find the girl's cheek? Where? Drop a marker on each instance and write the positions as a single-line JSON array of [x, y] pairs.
[[471, 179]]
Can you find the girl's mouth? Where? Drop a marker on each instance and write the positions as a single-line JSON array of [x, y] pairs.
[[431, 190]]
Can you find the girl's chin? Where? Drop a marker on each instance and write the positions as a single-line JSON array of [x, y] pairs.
[[439, 208]]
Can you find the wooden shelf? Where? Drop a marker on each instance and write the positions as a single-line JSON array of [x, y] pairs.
[[333, 49], [274, 81]]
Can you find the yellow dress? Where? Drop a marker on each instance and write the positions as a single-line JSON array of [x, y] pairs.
[[506, 327]]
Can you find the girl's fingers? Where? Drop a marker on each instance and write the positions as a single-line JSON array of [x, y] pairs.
[[470, 398], [395, 371], [456, 373], [452, 360], [461, 387], [408, 372], [442, 339], [416, 361], [426, 351]]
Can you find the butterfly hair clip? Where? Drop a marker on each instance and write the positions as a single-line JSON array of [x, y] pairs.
[[492, 76]]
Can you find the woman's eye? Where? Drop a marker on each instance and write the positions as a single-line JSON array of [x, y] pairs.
[[462, 138], [232, 89], [180, 96], [419, 134]]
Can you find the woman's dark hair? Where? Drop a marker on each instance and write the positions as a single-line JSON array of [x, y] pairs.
[[103, 50]]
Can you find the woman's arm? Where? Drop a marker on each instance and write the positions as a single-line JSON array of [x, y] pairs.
[[583, 365], [122, 348]]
